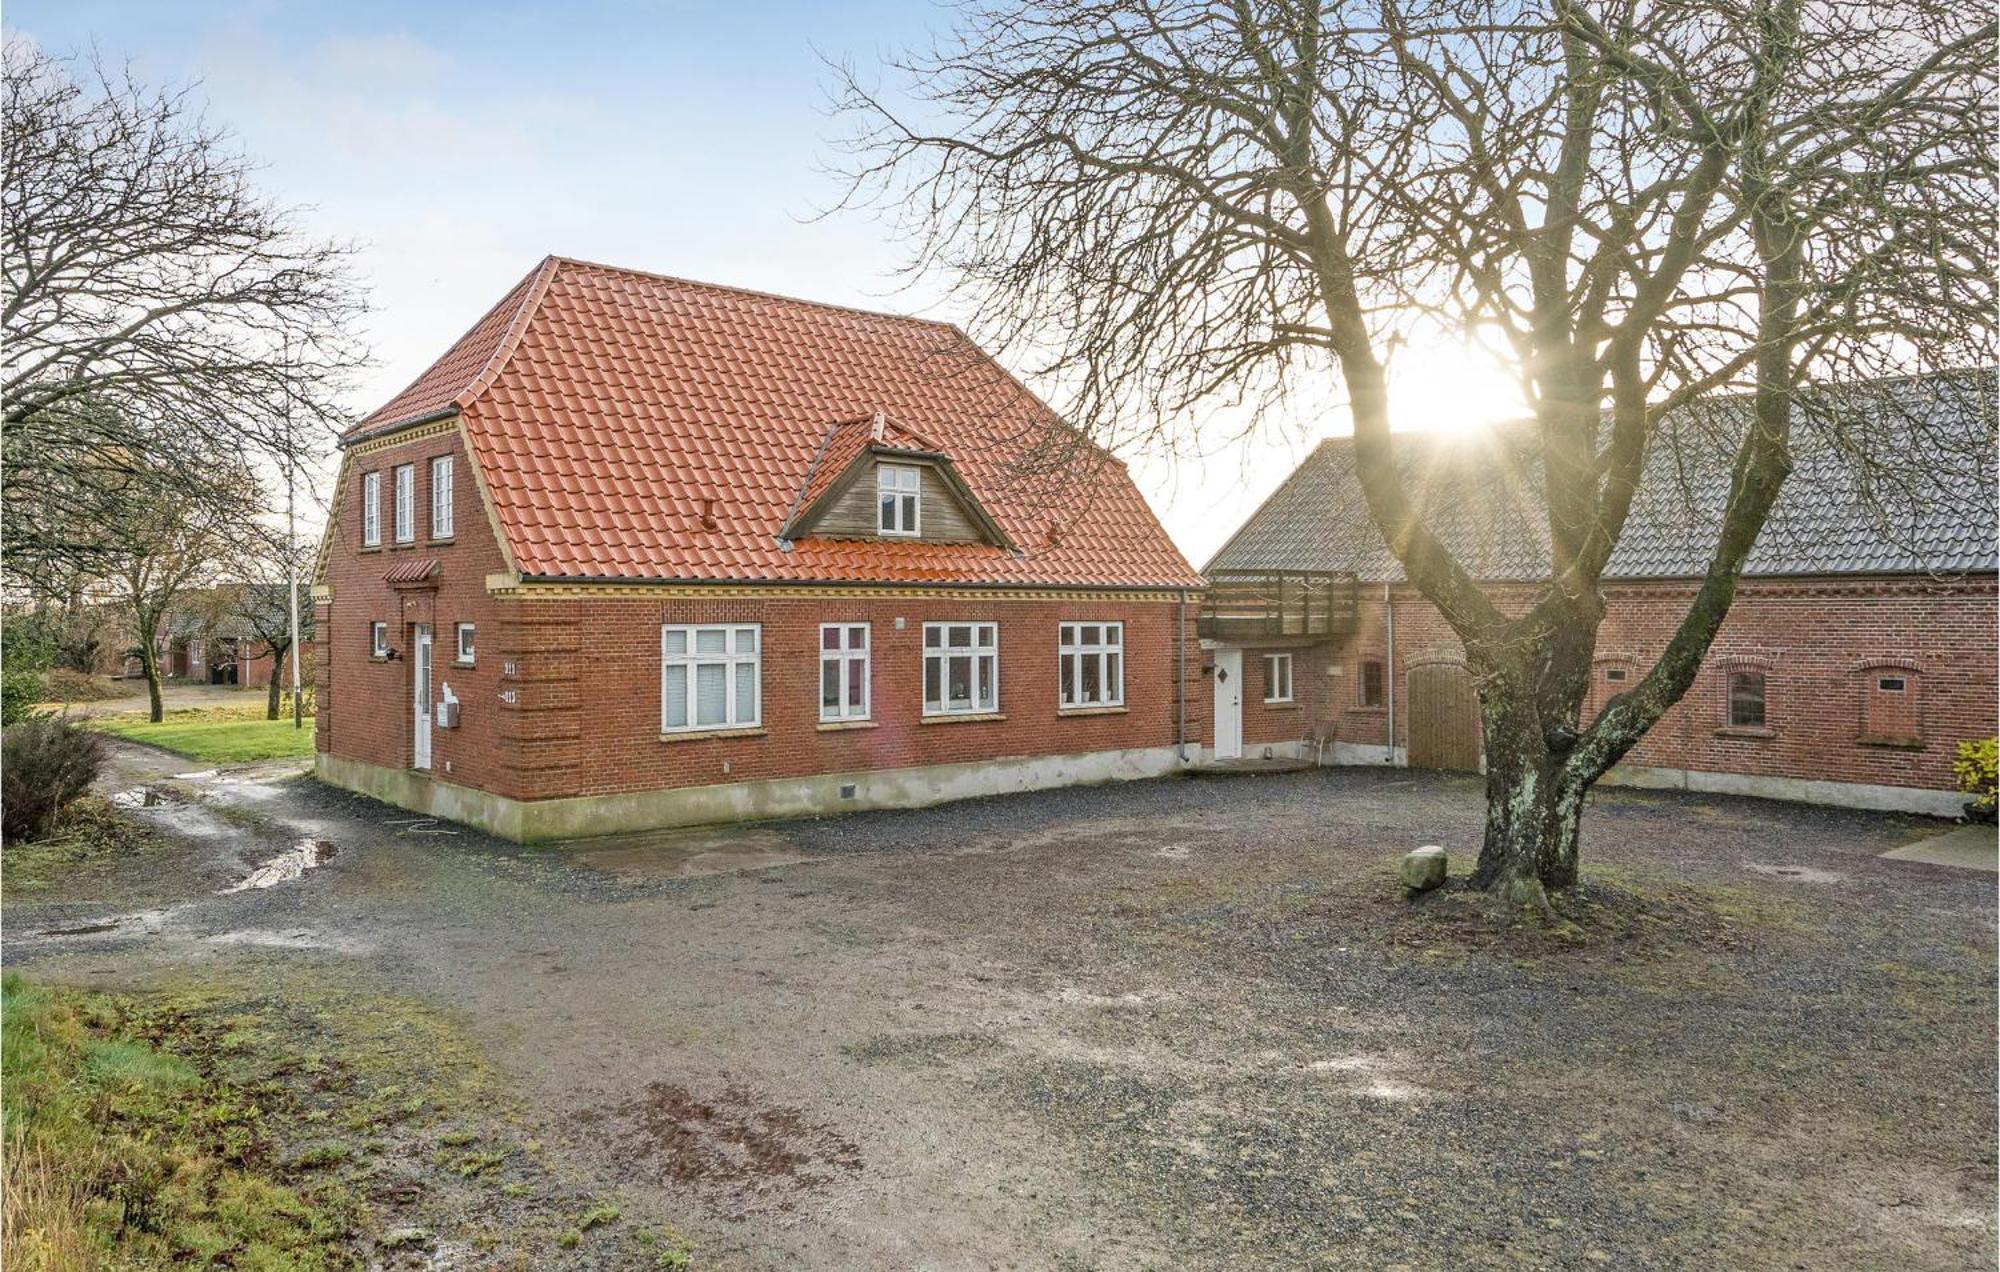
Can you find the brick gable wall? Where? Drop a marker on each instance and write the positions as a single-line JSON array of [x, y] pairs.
[[365, 704]]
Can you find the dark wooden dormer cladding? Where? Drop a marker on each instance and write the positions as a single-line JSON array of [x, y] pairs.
[[840, 498]]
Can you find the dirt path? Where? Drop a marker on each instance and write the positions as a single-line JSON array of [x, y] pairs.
[[1186, 1023]]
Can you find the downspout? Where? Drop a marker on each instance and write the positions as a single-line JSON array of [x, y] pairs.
[[1180, 679], [1389, 666]]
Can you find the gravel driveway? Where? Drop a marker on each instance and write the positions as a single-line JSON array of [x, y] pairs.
[[1181, 1023]]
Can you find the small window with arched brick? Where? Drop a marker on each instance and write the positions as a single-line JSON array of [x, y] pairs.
[[1889, 706], [1746, 698]]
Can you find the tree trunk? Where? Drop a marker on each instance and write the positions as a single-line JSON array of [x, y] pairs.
[[1534, 804], [149, 658], [277, 684]]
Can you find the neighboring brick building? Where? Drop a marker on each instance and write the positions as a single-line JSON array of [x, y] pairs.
[[1851, 664], [639, 552]]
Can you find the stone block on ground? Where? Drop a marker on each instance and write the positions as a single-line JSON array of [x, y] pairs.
[[1424, 869]]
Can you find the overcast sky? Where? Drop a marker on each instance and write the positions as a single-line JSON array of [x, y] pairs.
[[458, 143]]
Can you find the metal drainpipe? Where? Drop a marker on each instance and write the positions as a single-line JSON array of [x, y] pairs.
[[1389, 666], [1180, 679]]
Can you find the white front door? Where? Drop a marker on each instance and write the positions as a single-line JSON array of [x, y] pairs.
[[1228, 704], [420, 679]]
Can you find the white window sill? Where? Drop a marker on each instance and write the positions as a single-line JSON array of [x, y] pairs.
[[703, 735], [463, 662], [842, 726], [1109, 709], [961, 717]]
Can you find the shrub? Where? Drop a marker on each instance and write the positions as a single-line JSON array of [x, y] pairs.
[[65, 685], [26, 651], [19, 692], [45, 764], [307, 696], [1978, 771]]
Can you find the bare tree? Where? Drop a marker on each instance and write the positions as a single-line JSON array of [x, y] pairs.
[[156, 308], [160, 548], [267, 605], [1649, 207]]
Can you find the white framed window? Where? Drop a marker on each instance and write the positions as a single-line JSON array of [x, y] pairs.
[[898, 499], [406, 503], [1277, 677], [378, 639], [441, 497], [710, 677], [843, 671], [961, 668], [371, 510], [1092, 658], [464, 632]]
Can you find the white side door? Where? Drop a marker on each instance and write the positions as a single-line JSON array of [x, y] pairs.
[[420, 679], [1228, 704]]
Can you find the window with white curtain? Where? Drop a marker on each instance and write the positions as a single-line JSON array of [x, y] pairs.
[[710, 677], [1277, 677], [899, 495], [406, 503], [1092, 661], [961, 668], [441, 497], [843, 671], [371, 509]]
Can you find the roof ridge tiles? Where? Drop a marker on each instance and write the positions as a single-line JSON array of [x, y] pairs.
[[510, 339], [757, 293]]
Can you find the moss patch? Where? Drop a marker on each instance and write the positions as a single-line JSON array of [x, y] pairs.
[[89, 833], [120, 1153]]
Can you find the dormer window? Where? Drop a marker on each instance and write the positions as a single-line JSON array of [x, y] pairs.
[[898, 499]]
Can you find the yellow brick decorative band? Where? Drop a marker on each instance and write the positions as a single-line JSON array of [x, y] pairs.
[[414, 433], [498, 586]]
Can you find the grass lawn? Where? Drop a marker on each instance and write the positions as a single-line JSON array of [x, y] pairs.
[[216, 735]]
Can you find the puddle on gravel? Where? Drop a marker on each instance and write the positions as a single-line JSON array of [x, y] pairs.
[[147, 921], [147, 797], [684, 854], [306, 855], [761, 1154], [1798, 874], [294, 939]]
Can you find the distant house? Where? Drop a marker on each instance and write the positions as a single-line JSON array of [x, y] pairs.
[[206, 640], [1860, 649], [637, 551]]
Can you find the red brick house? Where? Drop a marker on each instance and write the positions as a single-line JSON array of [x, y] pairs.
[[1857, 655], [638, 552]]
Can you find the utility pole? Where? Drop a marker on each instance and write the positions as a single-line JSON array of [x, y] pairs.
[[292, 581]]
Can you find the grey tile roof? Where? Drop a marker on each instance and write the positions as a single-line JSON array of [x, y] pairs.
[[1481, 495]]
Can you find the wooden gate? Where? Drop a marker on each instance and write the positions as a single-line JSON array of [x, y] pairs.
[[1444, 718]]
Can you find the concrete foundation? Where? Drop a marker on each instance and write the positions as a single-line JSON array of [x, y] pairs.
[[536, 820], [1798, 790], [1884, 799]]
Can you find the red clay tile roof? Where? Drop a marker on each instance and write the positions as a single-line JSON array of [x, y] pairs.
[[450, 381], [605, 407], [415, 571]]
